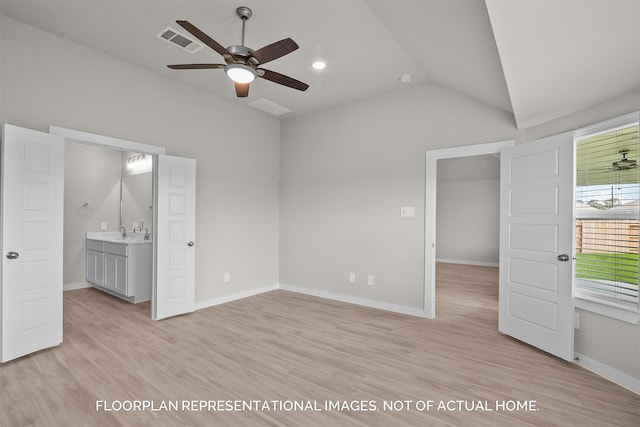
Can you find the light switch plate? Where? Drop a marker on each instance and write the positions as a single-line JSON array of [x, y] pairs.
[[407, 211]]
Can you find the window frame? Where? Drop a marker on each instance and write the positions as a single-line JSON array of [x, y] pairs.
[[592, 301]]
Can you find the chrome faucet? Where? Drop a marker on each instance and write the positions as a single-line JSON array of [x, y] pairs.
[[124, 232]]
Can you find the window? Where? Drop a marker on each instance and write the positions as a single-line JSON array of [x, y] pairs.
[[607, 213]]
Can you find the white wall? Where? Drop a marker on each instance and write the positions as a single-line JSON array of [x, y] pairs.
[[48, 80], [346, 173]]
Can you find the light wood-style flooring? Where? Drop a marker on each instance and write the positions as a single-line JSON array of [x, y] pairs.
[[281, 346]]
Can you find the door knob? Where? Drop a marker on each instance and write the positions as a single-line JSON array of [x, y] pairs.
[[12, 255], [190, 244], [563, 257]]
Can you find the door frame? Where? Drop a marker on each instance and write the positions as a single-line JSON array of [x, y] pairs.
[[431, 185], [71, 135]]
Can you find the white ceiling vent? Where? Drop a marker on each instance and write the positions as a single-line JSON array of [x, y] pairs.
[[180, 40], [269, 107]]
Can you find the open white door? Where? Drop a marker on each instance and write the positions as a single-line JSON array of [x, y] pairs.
[[536, 244], [32, 241], [174, 290]]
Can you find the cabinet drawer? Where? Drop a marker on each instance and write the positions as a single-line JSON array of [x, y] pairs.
[[94, 245], [115, 248]]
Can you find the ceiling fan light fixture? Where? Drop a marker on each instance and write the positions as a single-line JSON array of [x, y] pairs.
[[240, 73], [319, 65]]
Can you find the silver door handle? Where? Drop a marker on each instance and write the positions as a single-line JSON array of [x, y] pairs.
[[12, 255], [190, 244], [563, 257]]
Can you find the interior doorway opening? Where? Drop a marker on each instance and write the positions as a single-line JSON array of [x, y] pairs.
[[121, 151], [433, 158]]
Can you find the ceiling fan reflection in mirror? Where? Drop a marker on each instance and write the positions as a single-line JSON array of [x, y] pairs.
[[624, 163], [243, 64]]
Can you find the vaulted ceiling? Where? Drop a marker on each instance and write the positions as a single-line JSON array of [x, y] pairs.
[[537, 59]]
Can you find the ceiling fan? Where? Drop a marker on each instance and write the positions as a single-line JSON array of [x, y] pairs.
[[624, 163], [242, 63]]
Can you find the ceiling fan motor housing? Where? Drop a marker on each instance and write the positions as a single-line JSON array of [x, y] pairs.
[[240, 51]]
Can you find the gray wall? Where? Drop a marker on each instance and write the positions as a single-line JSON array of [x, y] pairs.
[[346, 173], [92, 175], [603, 339], [48, 80], [468, 210]]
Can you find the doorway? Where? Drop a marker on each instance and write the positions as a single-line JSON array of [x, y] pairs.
[[431, 197], [109, 156], [106, 189]]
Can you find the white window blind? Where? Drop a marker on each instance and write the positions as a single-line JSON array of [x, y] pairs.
[[608, 212]]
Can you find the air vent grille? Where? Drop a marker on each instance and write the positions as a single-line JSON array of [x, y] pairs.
[[180, 40], [269, 107]]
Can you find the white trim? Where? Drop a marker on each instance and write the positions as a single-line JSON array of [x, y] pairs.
[[91, 138], [468, 262], [431, 185], [598, 306], [235, 296], [608, 125], [607, 372], [74, 286], [81, 137], [396, 308]]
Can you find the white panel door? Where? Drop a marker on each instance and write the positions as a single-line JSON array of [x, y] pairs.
[[32, 239], [536, 244], [175, 240]]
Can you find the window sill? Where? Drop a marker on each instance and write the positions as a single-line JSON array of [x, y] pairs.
[[620, 312]]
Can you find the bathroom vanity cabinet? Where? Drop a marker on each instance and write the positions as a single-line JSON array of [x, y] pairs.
[[121, 267]]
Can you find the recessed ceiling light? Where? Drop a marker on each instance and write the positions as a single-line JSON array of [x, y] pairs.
[[319, 65]]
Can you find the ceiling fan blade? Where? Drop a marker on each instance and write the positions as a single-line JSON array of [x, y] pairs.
[[275, 50], [204, 38], [282, 79], [195, 66], [242, 90]]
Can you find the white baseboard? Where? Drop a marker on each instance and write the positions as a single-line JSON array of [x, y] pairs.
[[396, 308], [613, 375], [74, 286], [235, 296], [463, 261]]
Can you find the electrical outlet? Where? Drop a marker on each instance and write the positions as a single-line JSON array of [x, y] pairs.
[[371, 280], [352, 277], [227, 277], [103, 226]]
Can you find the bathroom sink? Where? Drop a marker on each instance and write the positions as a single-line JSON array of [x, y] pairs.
[[116, 237]]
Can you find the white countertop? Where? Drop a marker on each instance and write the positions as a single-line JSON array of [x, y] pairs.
[[116, 237]]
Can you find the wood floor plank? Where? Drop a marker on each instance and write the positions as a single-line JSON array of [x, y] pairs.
[[281, 346]]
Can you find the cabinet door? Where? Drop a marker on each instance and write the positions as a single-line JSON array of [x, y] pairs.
[[115, 273], [95, 267]]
